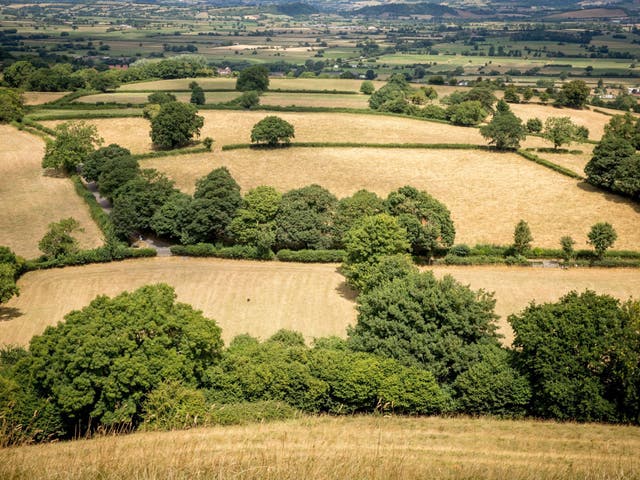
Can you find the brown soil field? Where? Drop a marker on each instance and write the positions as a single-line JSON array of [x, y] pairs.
[[228, 127], [260, 298], [487, 193], [31, 200], [332, 448], [38, 98], [594, 121]]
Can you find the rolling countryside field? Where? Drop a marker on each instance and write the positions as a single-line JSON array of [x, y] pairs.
[[378, 447], [262, 297], [32, 199]]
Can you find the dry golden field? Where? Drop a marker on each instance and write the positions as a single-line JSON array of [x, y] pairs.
[[38, 98], [315, 100], [260, 298], [274, 84], [594, 121], [366, 447], [243, 297], [487, 193], [31, 200], [141, 97], [227, 127], [575, 162]]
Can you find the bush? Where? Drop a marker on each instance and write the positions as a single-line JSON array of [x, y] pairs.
[[251, 412], [312, 256], [460, 250], [210, 250], [534, 125]]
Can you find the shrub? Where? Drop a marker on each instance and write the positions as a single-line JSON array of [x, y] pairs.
[[311, 256]]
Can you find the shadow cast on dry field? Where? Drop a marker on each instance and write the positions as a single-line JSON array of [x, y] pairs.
[[345, 291], [608, 196], [53, 173], [9, 313]]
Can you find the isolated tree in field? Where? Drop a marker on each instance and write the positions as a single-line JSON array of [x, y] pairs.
[[574, 94], [522, 238], [249, 99], [253, 78], [94, 165], [272, 130], [567, 244], [175, 125], [534, 125], [58, 241], [73, 143], [505, 130], [11, 105], [98, 366], [511, 95], [602, 236], [305, 218], [367, 87], [582, 357], [559, 130], [197, 94]]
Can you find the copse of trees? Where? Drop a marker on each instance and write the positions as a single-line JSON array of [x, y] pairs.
[[615, 164], [254, 78]]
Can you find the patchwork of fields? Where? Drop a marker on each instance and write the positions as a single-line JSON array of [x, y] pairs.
[[262, 297]]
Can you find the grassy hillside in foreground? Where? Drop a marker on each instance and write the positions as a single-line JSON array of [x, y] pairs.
[[372, 447]]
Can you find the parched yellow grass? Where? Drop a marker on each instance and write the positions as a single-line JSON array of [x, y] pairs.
[[315, 100], [594, 121], [30, 200], [243, 297], [274, 84], [575, 162], [137, 98], [367, 447], [38, 98], [516, 287], [227, 127], [260, 298], [487, 193]]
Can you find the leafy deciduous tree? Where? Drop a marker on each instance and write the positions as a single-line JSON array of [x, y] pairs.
[[602, 236], [253, 78], [74, 142], [175, 125], [272, 130]]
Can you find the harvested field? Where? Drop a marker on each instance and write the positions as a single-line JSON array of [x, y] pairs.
[[38, 98], [315, 100], [274, 84], [487, 193], [373, 447], [31, 200], [228, 127], [572, 161], [263, 297], [138, 98], [594, 121], [255, 297]]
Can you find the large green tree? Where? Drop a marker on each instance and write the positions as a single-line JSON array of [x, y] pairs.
[[351, 209], [74, 142], [100, 363], [560, 131], [574, 94], [58, 241], [175, 125], [505, 130], [582, 357], [272, 130], [254, 223], [602, 236], [305, 217], [253, 78], [419, 320], [11, 105], [94, 164]]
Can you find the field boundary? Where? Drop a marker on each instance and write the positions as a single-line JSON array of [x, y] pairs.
[[546, 163], [426, 146]]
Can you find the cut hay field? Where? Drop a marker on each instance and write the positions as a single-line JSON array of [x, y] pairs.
[[141, 97], [262, 297], [486, 192], [228, 127], [230, 84], [38, 98], [594, 121], [31, 200], [332, 448], [315, 100]]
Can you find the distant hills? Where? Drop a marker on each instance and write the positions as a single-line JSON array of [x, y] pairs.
[[407, 9]]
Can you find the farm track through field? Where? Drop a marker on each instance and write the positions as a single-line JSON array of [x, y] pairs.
[[260, 298]]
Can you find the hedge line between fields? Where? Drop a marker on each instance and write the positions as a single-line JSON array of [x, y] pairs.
[[428, 146], [546, 163]]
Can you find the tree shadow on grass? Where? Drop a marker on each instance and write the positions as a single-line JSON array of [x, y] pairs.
[[345, 291], [53, 173], [608, 196], [9, 313]]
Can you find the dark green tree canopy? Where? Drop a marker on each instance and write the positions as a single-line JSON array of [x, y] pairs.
[[351, 209], [581, 356], [101, 362], [58, 241], [422, 321], [11, 105], [253, 78], [197, 94], [574, 94], [272, 130], [161, 97], [427, 221], [602, 236], [74, 142], [175, 125], [94, 164], [305, 217], [505, 130]]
